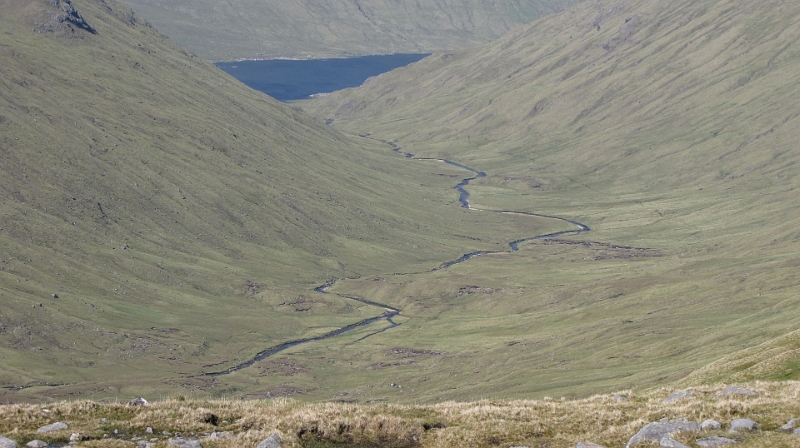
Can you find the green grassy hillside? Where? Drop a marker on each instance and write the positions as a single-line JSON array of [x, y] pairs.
[[184, 220], [660, 125], [268, 29], [159, 220]]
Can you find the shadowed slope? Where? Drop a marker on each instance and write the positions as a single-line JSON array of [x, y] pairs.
[[273, 28]]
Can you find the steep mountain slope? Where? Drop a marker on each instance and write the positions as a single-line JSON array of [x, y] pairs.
[[272, 28], [660, 125], [157, 217], [660, 97]]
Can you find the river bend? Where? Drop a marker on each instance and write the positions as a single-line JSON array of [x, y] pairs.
[[391, 312]]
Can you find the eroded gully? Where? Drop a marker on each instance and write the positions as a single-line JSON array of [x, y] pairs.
[[389, 311]]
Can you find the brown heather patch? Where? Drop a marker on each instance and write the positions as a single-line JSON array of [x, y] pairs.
[[547, 422]]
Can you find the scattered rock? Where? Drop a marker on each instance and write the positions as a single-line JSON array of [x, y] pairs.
[[54, 427], [710, 424], [272, 441], [103, 420], [796, 432], [138, 402], [55, 296], [149, 430], [36, 444], [77, 437], [735, 390], [588, 445], [714, 441], [221, 435], [7, 443], [677, 396], [183, 443], [743, 423], [619, 397], [790, 425], [668, 442], [658, 430]]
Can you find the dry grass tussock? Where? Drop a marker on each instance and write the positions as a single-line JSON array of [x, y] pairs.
[[603, 419]]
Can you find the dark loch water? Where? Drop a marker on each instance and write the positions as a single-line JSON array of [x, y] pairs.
[[288, 80]]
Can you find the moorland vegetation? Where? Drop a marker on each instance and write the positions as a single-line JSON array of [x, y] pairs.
[[161, 222]]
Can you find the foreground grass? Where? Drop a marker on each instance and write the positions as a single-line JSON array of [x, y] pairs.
[[607, 420]]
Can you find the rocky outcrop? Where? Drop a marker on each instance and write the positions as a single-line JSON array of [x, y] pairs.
[[658, 431], [139, 401], [669, 442], [273, 441], [183, 443], [790, 425], [63, 16], [735, 390], [53, 427], [7, 443], [714, 441], [743, 424], [677, 396]]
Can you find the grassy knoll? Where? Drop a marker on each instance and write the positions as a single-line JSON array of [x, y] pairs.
[[182, 219], [264, 29], [556, 423], [663, 126]]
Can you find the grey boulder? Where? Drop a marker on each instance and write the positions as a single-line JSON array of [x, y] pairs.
[[714, 441], [54, 427], [735, 390], [665, 428], [710, 424], [668, 442], [796, 432], [790, 425], [139, 401], [273, 441], [36, 444], [183, 443], [221, 435], [7, 443], [677, 396], [743, 423]]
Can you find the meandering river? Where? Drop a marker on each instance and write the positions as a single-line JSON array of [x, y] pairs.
[[389, 311]]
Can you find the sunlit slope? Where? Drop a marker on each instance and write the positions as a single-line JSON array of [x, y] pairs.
[[615, 98], [669, 126], [272, 28], [157, 217]]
